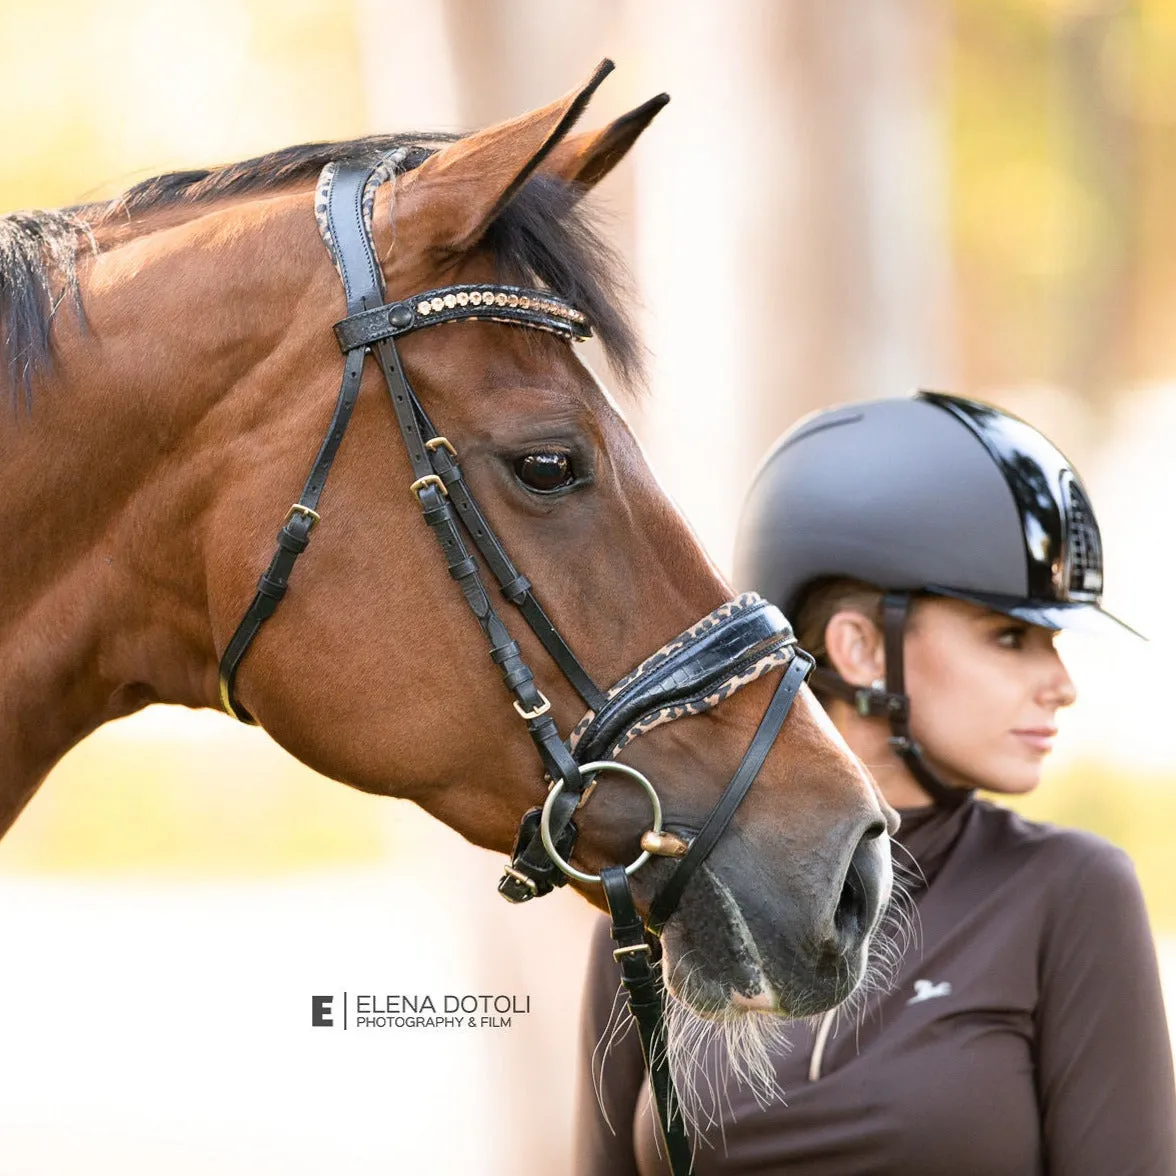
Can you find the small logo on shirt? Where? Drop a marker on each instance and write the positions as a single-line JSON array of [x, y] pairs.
[[929, 990]]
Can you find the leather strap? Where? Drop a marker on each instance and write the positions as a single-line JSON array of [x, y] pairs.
[[437, 484], [293, 539], [643, 987], [363, 286], [720, 816], [355, 255], [895, 607], [726, 649], [868, 702], [515, 586]]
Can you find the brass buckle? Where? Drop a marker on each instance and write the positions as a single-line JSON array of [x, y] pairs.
[[305, 511], [541, 709], [631, 950], [519, 876], [428, 480], [435, 443]]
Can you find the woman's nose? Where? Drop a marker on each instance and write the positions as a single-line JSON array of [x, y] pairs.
[[1060, 688]]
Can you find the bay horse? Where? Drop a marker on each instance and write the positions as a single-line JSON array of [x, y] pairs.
[[172, 370]]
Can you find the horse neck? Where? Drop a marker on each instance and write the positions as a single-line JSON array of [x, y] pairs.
[[112, 470]]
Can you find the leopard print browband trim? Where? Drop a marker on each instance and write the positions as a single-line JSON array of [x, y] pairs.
[[694, 706]]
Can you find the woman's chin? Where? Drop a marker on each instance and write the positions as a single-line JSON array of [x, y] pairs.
[[1011, 775]]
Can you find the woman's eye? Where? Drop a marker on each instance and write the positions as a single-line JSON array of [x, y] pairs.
[[545, 472], [1012, 638]]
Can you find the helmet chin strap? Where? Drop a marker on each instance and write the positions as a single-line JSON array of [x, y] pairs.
[[893, 704]]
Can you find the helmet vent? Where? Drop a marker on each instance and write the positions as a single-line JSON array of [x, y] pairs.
[[1084, 562]]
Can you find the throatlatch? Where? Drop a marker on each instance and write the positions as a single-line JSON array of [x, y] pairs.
[[732, 646]]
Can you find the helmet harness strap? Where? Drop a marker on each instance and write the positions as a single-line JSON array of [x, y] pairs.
[[893, 703], [895, 610]]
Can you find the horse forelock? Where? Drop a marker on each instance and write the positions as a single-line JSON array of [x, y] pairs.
[[545, 237]]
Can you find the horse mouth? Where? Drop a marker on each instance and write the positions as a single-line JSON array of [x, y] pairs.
[[722, 963], [737, 988]]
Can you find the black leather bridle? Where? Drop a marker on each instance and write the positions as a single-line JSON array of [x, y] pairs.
[[733, 645]]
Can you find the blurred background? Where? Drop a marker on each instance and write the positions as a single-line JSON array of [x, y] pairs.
[[843, 200]]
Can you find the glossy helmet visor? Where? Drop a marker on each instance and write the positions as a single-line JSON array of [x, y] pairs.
[[1063, 548], [1079, 618], [931, 493]]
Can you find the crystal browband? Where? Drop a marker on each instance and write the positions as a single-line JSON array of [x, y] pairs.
[[519, 305], [501, 298]]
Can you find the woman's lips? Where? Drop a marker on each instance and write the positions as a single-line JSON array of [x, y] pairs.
[[1040, 739]]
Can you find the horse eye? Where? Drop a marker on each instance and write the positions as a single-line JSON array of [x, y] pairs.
[[545, 472]]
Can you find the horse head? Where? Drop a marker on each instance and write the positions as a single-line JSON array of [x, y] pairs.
[[199, 385]]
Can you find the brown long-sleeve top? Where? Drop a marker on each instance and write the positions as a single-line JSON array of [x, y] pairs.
[[1024, 1035]]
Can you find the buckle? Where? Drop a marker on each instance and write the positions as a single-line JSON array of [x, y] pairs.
[[541, 709], [435, 443], [508, 871], [305, 511], [428, 480], [632, 949]]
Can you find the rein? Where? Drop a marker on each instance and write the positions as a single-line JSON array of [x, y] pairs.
[[735, 644]]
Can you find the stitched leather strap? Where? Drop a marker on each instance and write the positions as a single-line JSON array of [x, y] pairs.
[[363, 286], [355, 256], [293, 539], [515, 586], [646, 999], [720, 816]]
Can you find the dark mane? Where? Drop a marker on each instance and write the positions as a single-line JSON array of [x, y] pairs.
[[543, 237]]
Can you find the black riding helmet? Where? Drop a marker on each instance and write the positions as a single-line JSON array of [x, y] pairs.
[[931, 493]]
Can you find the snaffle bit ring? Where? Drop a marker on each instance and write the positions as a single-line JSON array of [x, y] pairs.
[[589, 770]]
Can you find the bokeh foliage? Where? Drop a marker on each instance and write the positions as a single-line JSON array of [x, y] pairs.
[[1062, 136]]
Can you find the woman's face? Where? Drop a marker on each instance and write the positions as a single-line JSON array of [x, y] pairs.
[[985, 690]]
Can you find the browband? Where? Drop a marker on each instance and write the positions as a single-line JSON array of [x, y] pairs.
[[515, 305]]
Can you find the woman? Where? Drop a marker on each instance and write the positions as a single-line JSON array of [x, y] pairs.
[[927, 550]]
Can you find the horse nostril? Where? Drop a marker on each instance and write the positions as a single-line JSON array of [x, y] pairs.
[[849, 918], [857, 906]]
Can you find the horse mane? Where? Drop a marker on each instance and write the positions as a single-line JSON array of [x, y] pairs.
[[543, 237]]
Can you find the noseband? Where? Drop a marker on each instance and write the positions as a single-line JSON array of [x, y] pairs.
[[735, 644]]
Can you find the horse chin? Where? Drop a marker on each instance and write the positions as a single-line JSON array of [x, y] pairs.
[[728, 991]]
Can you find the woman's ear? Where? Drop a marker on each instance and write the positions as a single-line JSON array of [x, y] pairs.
[[854, 647]]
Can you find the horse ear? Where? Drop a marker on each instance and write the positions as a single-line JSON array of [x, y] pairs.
[[588, 157], [467, 184]]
